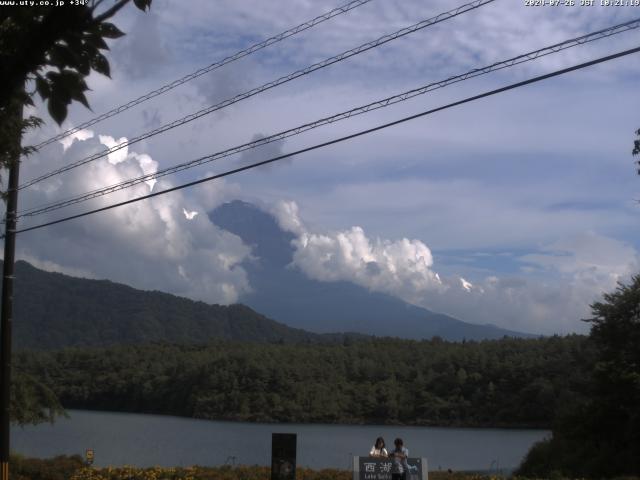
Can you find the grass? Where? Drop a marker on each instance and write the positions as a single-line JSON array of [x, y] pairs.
[[73, 468]]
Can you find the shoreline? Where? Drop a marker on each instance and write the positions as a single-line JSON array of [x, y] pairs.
[[148, 440], [318, 424]]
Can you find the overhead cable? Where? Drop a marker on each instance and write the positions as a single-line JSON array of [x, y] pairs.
[[590, 37], [337, 140], [267, 86], [214, 66]]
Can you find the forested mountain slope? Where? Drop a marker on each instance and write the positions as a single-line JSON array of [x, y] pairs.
[[52, 310]]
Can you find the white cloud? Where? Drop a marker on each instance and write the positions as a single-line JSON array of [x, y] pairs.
[[287, 216], [189, 215], [398, 267], [401, 267], [147, 165], [551, 294], [466, 285], [499, 173], [110, 142], [80, 135], [147, 244]]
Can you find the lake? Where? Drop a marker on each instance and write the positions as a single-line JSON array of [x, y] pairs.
[[146, 440]]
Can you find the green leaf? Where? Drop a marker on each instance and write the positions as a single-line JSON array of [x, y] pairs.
[[73, 79], [101, 65], [57, 109], [43, 87], [80, 97], [96, 41], [142, 4], [84, 64], [61, 56], [109, 30]]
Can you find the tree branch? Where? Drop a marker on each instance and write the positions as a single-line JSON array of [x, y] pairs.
[[111, 12], [95, 4]]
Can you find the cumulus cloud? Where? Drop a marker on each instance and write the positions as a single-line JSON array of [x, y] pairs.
[[79, 135], [153, 244], [288, 217], [485, 188], [110, 142], [401, 267], [398, 267], [551, 294]]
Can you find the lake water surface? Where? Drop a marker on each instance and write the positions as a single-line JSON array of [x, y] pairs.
[[146, 440]]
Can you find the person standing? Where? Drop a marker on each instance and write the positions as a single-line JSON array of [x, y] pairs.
[[400, 467], [379, 450]]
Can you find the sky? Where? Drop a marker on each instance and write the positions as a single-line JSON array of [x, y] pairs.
[[519, 209]]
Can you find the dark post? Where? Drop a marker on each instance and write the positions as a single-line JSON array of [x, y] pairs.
[[7, 303], [283, 456]]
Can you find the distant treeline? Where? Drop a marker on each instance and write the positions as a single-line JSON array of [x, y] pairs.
[[506, 383]]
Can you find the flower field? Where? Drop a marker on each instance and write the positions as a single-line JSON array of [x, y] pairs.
[[73, 468]]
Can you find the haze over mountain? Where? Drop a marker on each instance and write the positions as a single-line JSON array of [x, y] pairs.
[[52, 311], [283, 292]]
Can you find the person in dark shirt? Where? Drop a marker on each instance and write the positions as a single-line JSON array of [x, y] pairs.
[[400, 467]]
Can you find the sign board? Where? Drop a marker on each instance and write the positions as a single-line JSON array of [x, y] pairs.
[[283, 456], [88, 455], [376, 468]]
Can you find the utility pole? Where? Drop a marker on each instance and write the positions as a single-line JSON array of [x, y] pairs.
[[7, 294]]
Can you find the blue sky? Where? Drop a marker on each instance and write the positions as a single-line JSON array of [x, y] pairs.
[[519, 209]]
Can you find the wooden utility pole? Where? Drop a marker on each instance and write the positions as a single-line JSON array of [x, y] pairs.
[[7, 296]]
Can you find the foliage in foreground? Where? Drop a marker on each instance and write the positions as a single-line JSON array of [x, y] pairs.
[[57, 468], [72, 468], [600, 438], [51, 51]]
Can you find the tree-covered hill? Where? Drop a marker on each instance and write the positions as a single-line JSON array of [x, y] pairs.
[[52, 310], [509, 382], [598, 434]]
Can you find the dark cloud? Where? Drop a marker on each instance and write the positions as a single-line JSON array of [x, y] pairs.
[[265, 152], [225, 83], [373, 268], [144, 50]]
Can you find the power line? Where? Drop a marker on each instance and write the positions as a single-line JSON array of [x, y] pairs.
[[267, 86], [600, 34], [339, 140], [214, 66]]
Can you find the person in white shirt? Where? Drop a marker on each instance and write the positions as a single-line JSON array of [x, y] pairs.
[[378, 449]]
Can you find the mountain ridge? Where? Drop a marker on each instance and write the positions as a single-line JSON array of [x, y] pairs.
[[53, 310], [288, 295]]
